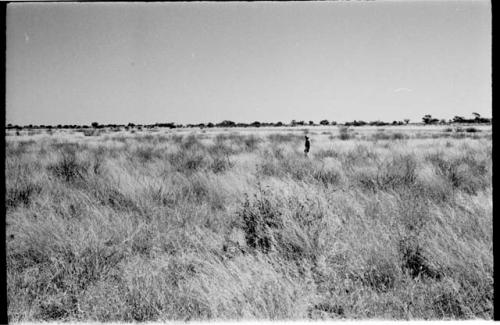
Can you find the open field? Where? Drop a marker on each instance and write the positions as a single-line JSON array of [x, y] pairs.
[[390, 222]]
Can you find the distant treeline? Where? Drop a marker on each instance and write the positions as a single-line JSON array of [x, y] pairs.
[[427, 119]]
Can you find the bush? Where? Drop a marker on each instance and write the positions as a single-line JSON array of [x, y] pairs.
[[463, 173], [326, 153], [380, 274], [147, 153], [472, 130], [220, 164], [414, 261], [91, 132], [251, 142], [187, 161], [327, 176], [399, 172], [399, 136], [344, 133], [22, 193], [69, 168], [277, 138], [191, 142], [447, 305], [260, 218], [381, 135]]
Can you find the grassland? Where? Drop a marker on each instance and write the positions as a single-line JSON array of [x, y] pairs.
[[238, 224]]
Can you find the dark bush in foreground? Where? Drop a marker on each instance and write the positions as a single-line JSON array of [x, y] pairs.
[[69, 168], [22, 193], [472, 130], [260, 219]]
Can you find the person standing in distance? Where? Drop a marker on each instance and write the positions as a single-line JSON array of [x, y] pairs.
[[308, 145]]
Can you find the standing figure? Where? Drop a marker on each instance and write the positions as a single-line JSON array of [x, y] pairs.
[[308, 145]]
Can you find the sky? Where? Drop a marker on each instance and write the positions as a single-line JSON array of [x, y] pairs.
[[198, 62]]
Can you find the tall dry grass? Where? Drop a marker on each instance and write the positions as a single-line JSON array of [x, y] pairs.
[[221, 225]]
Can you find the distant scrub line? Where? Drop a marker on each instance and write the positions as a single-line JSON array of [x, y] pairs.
[[426, 120]]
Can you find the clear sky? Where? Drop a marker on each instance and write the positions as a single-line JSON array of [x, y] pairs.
[[75, 63]]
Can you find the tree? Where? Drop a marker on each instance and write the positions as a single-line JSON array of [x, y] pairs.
[[477, 116], [324, 122], [358, 123], [255, 124], [293, 123], [379, 123], [226, 123], [311, 122], [428, 119], [95, 125], [278, 123], [407, 120], [333, 123]]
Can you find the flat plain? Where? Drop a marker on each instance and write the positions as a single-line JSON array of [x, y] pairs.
[[231, 224]]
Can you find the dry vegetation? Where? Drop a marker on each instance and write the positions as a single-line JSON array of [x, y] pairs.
[[122, 226]]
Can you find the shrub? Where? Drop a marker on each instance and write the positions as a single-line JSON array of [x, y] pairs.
[[91, 132], [147, 153], [472, 130], [298, 168], [251, 142], [325, 153], [277, 138], [191, 142], [327, 176], [400, 171], [344, 133], [381, 135], [111, 196], [447, 304], [69, 168], [414, 261], [380, 273], [22, 193], [458, 135], [399, 136], [269, 167], [187, 161], [464, 173], [220, 163], [260, 217]]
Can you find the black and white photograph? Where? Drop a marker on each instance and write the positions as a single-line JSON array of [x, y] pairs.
[[248, 161]]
